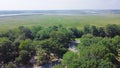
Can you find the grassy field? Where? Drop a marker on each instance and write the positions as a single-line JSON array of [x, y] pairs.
[[78, 21]]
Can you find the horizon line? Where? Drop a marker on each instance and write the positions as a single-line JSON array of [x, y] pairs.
[[53, 9]]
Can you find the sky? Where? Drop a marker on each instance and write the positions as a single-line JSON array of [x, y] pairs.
[[58, 4]]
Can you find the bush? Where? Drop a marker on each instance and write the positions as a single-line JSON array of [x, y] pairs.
[[11, 65]]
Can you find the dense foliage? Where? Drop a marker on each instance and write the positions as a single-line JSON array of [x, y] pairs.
[[99, 46], [20, 45], [94, 52]]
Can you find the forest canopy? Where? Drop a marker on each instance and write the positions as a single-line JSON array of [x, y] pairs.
[[99, 47]]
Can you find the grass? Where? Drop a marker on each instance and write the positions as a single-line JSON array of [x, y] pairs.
[[78, 21]]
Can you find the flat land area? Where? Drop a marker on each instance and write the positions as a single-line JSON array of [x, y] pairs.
[[78, 21]]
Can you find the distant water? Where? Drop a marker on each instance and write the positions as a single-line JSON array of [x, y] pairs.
[[55, 12], [19, 14]]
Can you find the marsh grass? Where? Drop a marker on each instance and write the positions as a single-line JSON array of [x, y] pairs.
[[78, 21]]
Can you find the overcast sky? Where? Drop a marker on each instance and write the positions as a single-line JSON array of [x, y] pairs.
[[58, 4]]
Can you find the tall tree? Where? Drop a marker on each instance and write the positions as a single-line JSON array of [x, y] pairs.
[[101, 31], [94, 31], [86, 29], [112, 30]]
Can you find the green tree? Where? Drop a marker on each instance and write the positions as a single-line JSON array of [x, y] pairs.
[[77, 33], [93, 56], [112, 30], [52, 46], [42, 34], [63, 36], [116, 42], [23, 57], [86, 29], [11, 34], [26, 32], [28, 46], [94, 31], [7, 51], [101, 31], [35, 29], [89, 39]]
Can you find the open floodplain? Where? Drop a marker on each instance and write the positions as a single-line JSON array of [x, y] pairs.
[[10, 22]]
